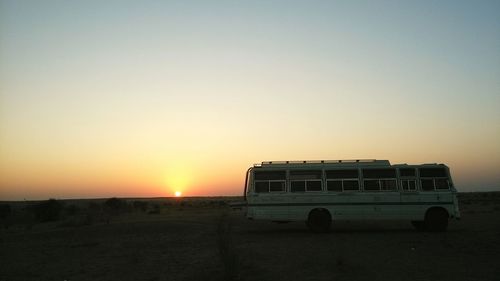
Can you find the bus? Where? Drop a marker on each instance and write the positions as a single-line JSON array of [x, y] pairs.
[[319, 192]]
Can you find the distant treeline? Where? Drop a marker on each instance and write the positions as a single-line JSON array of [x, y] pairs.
[[86, 212]]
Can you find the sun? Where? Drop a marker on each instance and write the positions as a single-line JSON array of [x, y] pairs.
[[177, 179]]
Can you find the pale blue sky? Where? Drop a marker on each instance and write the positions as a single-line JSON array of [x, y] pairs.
[[247, 81]]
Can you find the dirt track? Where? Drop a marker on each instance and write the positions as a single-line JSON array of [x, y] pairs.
[[184, 244]]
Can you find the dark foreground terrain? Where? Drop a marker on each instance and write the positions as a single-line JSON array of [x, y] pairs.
[[202, 239]]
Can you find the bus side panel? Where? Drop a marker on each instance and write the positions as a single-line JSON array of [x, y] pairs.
[[341, 206], [347, 206], [379, 205], [267, 206], [414, 205], [350, 206]]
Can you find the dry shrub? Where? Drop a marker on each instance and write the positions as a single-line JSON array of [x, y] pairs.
[[155, 209], [74, 216], [71, 210], [95, 212], [5, 215], [77, 220], [140, 205], [5, 211], [49, 210], [115, 204]]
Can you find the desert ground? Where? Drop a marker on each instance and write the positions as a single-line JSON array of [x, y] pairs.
[[204, 239]]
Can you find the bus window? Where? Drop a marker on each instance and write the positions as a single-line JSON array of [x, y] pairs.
[[407, 172], [351, 184], [379, 173], [388, 184], [408, 185], [270, 181], [334, 185], [261, 186], [298, 186], [305, 180], [342, 180], [441, 184], [301, 174], [434, 178], [380, 179], [371, 185], [432, 172], [313, 185], [342, 174], [277, 186], [270, 175], [427, 185]]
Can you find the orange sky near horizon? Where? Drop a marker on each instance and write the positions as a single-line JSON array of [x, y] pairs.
[[196, 178], [143, 99]]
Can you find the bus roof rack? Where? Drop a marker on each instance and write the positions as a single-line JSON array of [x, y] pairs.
[[322, 162]]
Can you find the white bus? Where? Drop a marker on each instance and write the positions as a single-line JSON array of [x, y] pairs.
[[319, 192]]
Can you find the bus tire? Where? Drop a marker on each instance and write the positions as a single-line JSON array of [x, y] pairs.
[[436, 220], [319, 220], [418, 225]]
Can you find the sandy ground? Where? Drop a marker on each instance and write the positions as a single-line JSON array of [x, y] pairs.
[[186, 244]]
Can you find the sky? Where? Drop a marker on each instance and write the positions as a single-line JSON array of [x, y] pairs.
[[145, 98]]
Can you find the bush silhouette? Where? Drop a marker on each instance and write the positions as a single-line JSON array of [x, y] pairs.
[[49, 210], [115, 204], [140, 205], [72, 210], [155, 209], [5, 211]]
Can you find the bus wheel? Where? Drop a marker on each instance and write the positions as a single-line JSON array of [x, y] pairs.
[[319, 220], [418, 225], [436, 220]]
